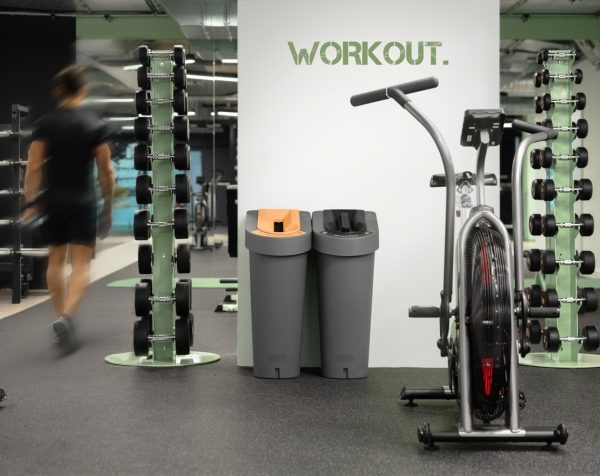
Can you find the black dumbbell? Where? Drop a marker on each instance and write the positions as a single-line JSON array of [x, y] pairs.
[[145, 259], [548, 190], [540, 260], [534, 331], [544, 77], [142, 224], [545, 261], [179, 102], [183, 297], [549, 227], [182, 258], [142, 158], [591, 338], [545, 102], [144, 189], [588, 298], [141, 337], [142, 127], [178, 76], [145, 54], [534, 295], [580, 128], [551, 339], [544, 158], [143, 295], [536, 189], [545, 55]]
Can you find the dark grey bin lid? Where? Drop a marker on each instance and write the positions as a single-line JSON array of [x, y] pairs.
[[277, 246], [341, 232]]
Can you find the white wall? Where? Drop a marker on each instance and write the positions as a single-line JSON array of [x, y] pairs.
[[591, 87], [301, 144]]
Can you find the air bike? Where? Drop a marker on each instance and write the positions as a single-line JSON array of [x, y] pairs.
[[481, 335]]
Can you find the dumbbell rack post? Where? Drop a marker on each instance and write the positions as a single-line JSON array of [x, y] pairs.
[[563, 243], [163, 350], [162, 209]]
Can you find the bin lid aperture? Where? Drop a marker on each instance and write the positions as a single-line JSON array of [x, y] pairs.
[[281, 223], [345, 222]]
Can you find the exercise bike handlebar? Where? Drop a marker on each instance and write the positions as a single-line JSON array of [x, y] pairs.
[[382, 94], [534, 128]]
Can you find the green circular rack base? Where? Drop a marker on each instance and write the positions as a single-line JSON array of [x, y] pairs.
[[545, 359], [131, 360]]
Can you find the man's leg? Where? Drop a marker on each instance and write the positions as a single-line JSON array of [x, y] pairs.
[[55, 276], [81, 255]]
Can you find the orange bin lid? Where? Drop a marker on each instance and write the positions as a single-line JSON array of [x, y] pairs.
[[278, 223]]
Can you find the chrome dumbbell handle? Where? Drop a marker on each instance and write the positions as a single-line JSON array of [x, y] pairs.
[[573, 339], [13, 163], [161, 337], [159, 101], [162, 298], [570, 157], [161, 156], [569, 262], [160, 75], [165, 128], [568, 189], [571, 300], [161, 224], [161, 188]]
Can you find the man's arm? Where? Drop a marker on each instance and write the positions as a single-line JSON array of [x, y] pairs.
[[106, 174], [33, 172]]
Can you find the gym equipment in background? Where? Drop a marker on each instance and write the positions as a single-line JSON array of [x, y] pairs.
[[558, 264], [480, 337], [345, 242], [11, 223], [159, 338], [278, 241]]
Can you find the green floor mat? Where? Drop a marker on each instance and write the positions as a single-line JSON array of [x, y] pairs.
[[206, 283]]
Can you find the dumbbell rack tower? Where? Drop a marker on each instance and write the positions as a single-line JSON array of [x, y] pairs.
[[563, 244], [163, 315]]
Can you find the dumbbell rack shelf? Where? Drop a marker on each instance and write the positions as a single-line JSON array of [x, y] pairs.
[[160, 339], [559, 160], [11, 223]]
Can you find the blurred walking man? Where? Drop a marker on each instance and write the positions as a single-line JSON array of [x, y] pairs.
[[66, 142]]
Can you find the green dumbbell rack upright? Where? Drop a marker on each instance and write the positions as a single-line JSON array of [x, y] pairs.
[[557, 101], [160, 339]]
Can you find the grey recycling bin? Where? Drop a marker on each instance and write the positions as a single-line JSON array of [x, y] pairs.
[[345, 242], [278, 241]]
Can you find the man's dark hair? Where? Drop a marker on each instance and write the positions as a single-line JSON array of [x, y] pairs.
[[69, 81]]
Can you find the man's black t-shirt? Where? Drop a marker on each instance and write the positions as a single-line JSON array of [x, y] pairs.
[[71, 135], [69, 199]]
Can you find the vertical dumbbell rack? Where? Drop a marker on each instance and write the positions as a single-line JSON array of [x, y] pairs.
[[15, 166], [159, 338], [561, 337]]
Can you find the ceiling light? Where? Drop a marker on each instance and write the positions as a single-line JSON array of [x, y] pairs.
[[212, 78], [107, 100], [229, 61], [225, 113], [126, 128]]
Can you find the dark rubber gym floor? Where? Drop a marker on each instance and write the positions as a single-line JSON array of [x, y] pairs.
[[77, 415]]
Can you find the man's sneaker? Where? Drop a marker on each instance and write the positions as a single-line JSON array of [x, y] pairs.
[[65, 335]]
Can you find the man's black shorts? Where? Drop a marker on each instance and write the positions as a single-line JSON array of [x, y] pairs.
[[73, 223]]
